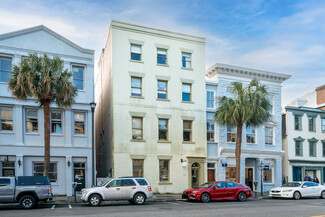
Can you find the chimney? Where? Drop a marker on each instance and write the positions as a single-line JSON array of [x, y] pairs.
[[320, 95]]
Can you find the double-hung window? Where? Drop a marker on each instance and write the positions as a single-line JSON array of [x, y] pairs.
[[52, 174], [161, 56], [312, 149], [268, 135], [186, 92], [311, 124], [162, 89], [186, 60], [187, 131], [136, 86], [163, 129], [210, 131], [323, 143], [163, 170], [137, 128], [31, 120], [136, 52], [6, 122], [323, 125], [56, 122], [231, 133], [299, 148], [5, 68], [78, 77], [79, 123], [250, 134], [137, 167], [298, 125], [210, 99]]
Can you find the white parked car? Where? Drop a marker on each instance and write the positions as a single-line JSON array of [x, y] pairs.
[[298, 190]]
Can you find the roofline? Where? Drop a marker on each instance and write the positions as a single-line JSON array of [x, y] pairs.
[[42, 27], [115, 23], [247, 72], [302, 108]]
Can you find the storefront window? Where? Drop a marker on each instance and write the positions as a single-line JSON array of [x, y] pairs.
[[267, 176], [231, 174]]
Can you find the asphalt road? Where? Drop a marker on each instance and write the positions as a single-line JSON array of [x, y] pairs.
[[250, 208]]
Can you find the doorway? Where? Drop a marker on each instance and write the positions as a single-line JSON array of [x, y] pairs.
[[249, 178], [211, 175], [79, 175], [195, 174]]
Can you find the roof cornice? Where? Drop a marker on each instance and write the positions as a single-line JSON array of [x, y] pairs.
[[220, 68], [44, 28]]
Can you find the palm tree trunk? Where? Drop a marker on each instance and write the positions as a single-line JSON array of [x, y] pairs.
[[238, 150], [46, 137]]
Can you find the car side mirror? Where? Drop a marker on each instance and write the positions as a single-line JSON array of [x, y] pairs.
[[107, 186], [304, 186]]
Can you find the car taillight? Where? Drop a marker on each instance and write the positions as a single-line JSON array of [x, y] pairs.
[[149, 188], [49, 190]]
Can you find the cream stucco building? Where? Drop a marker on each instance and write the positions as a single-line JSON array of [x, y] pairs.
[[151, 107]]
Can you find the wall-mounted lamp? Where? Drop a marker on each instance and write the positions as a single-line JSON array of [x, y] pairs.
[[69, 163], [6, 158], [182, 161], [19, 162]]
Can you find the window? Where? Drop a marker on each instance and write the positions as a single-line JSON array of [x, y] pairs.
[[56, 122], [162, 56], [136, 86], [187, 131], [127, 182], [163, 129], [137, 133], [8, 168], [6, 122], [323, 125], [210, 99], [231, 133], [31, 120], [186, 92], [4, 182], [299, 149], [270, 98], [210, 131], [312, 149], [269, 135], [250, 134], [164, 170], [298, 124], [136, 52], [231, 185], [311, 124], [323, 143], [186, 60], [137, 168], [5, 68], [142, 182], [115, 183], [231, 174], [221, 185], [53, 172], [78, 77], [79, 123], [211, 165], [162, 89], [267, 176]]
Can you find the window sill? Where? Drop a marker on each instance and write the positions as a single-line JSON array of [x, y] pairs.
[[268, 183], [81, 90], [312, 131], [164, 65], [165, 183], [251, 143], [191, 69], [56, 135], [188, 102], [163, 141], [137, 97], [164, 100], [231, 143], [188, 142], [214, 142], [136, 61], [7, 132], [298, 130], [270, 145], [80, 135], [137, 140], [32, 134]]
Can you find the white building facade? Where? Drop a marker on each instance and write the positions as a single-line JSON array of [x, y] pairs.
[[262, 144], [150, 114], [22, 122]]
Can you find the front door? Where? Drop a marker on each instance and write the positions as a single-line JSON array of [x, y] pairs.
[[211, 175], [79, 177], [195, 175], [249, 181]]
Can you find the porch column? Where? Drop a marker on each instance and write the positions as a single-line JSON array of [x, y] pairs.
[[242, 170], [278, 172], [68, 175]]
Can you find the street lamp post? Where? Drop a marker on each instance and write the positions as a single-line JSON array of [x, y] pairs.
[[92, 106]]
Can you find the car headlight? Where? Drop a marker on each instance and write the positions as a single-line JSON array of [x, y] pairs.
[[84, 192], [195, 191], [288, 190]]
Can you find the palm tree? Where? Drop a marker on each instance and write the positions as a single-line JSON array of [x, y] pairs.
[[44, 80], [250, 106]]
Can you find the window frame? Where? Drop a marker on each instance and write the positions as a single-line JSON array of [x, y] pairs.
[[134, 87], [300, 143], [139, 45], [314, 145], [313, 124], [250, 134], [166, 131], [77, 79], [26, 119], [211, 132], [166, 58], [51, 120], [271, 175], [188, 130], [141, 170], [74, 122], [141, 118], [322, 124], [268, 136], [323, 148], [231, 133], [299, 122], [160, 171], [190, 93], [186, 61], [3, 119], [162, 81], [42, 163], [213, 100], [7, 57]]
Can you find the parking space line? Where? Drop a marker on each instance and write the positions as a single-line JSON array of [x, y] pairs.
[[70, 207], [53, 207]]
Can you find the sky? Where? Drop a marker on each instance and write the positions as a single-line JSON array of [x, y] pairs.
[[283, 36]]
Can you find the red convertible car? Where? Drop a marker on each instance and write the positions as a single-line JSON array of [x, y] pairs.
[[221, 190]]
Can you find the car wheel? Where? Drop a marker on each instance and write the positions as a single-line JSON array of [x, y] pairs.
[[296, 195], [322, 195], [139, 199], [205, 198], [94, 200], [27, 202], [242, 196]]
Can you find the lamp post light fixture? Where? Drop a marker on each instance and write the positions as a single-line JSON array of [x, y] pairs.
[[93, 106], [19, 162], [69, 163]]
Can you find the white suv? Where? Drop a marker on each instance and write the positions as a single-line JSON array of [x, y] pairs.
[[135, 190]]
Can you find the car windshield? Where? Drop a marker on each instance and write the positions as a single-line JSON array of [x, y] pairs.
[[292, 184], [104, 184], [206, 185]]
